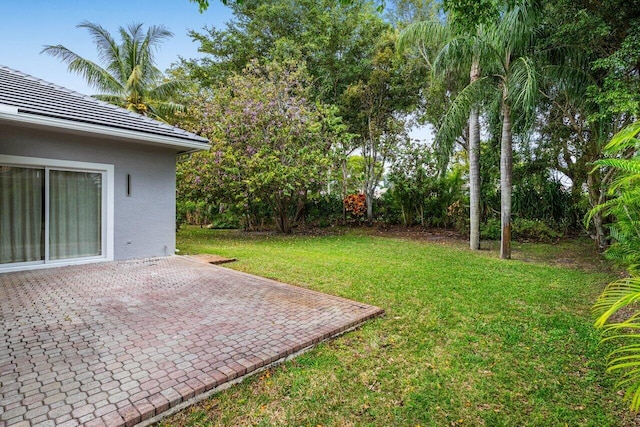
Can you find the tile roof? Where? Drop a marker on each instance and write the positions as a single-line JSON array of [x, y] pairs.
[[38, 97]]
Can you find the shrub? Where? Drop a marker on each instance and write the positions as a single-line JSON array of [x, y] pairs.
[[225, 220], [458, 214], [355, 205], [491, 229], [194, 213], [533, 230], [388, 210], [323, 210]]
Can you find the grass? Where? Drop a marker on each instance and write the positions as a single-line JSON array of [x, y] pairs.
[[467, 339]]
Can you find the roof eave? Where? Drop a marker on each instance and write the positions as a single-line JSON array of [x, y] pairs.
[[70, 125]]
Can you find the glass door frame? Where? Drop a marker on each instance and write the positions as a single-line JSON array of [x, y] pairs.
[[107, 214]]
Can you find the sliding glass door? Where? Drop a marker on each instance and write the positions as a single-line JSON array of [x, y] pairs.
[[49, 214], [21, 214], [75, 214]]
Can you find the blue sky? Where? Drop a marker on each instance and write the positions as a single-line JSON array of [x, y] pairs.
[[27, 25]]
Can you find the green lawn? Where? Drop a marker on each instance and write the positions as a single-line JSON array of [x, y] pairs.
[[467, 339]]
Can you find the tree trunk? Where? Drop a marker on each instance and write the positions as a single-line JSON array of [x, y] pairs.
[[280, 210], [370, 183], [596, 197], [343, 167], [282, 222], [506, 166], [301, 207], [474, 168], [369, 199]]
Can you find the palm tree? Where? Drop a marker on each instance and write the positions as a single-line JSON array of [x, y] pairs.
[[129, 78], [433, 39], [508, 74], [514, 80], [453, 46]]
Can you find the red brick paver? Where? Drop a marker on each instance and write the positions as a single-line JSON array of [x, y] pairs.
[[118, 343]]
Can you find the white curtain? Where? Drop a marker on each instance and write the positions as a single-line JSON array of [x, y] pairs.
[[75, 209], [21, 214]]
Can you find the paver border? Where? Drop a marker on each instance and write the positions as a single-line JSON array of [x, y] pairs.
[[226, 385], [277, 360]]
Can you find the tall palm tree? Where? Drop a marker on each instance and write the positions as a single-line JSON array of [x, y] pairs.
[[445, 50], [129, 77], [515, 81]]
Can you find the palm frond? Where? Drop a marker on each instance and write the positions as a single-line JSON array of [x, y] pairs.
[[625, 360], [627, 181], [135, 33], [111, 99], [129, 77], [616, 295], [627, 165], [523, 82], [108, 49], [457, 54], [135, 80], [623, 293], [623, 140], [167, 89], [426, 37], [631, 348], [164, 111], [515, 31], [456, 117], [156, 35], [572, 76], [94, 75]]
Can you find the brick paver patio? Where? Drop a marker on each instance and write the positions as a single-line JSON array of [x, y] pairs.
[[119, 343]]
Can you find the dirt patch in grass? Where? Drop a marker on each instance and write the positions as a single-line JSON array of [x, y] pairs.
[[416, 233], [573, 252], [211, 259], [420, 234]]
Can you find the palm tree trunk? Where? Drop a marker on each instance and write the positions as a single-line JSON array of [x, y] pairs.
[[343, 193], [474, 167], [506, 166]]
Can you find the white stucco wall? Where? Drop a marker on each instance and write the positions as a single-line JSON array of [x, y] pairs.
[[144, 223]]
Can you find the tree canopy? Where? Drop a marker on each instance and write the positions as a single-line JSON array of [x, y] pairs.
[[269, 140]]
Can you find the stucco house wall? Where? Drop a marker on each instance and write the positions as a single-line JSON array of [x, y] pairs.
[[81, 180], [144, 221]]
